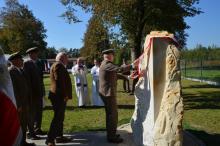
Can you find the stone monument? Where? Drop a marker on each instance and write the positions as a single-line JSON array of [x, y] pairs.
[[157, 119]]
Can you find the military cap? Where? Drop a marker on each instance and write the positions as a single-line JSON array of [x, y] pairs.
[[33, 49], [108, 51], [14, 56]]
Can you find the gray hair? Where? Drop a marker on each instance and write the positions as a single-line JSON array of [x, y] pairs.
[[60, 56]]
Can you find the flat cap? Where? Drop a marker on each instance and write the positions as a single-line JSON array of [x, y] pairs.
[[33, 49], [15, 55], [108, 51]]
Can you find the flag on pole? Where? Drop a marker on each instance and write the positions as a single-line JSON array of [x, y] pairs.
[[10, 129]]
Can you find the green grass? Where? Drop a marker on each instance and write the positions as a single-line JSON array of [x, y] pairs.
[[213, 75], [86, 119], [201, 111]]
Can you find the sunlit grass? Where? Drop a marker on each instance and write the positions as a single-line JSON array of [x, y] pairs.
[[201, 111]]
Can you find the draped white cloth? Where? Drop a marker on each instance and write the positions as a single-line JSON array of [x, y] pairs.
[[79, 72], [96, 100]]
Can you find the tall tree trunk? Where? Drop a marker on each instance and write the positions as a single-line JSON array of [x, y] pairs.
[[140, 27]]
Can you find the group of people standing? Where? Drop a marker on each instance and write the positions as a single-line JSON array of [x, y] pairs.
[[27, 79]]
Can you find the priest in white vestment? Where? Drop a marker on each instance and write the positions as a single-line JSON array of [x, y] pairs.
[[79, 72], [96, 100]]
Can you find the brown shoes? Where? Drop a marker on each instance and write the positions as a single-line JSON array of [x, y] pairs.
[[50, 143], [116, 139]]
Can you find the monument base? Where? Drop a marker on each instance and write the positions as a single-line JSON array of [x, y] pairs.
[[188, 139]]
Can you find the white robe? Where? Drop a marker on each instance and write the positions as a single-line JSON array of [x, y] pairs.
[[81, 85], [96, 100]]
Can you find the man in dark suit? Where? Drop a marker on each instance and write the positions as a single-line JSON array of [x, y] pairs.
[[36, 86], [107, 90], [60, 92], [21, 91]]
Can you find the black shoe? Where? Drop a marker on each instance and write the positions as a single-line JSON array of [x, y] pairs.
[[29, 144], [40, 132], [115, 140], [118, 135], [131, 93], [50, 143], [63, 139], [34, 137], [128, 91]]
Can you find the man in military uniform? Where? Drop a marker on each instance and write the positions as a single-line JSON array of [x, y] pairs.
[[21, 91], [107, 90], [60, 92], [36, 86]]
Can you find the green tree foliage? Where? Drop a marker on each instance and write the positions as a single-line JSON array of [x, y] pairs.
[[74, 53], [50, 53], [136, 18], [19, 29], [201, 53], [95, 39]]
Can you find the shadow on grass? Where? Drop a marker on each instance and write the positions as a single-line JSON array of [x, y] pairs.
[[201, 86], [98, 129], [208, 139], [90, 107], [202, 100]]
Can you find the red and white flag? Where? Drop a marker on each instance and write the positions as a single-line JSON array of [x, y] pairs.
[[10, 129]]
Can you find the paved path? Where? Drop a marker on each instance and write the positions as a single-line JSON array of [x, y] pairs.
[[99, 139]]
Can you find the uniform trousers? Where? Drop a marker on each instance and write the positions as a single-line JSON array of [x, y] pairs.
[[111, 110], [23, 121]]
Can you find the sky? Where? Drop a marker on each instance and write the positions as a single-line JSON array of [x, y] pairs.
[[205, 28]]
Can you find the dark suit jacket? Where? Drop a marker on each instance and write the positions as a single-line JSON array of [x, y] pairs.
[[108, 77], [20, 86], [60, 81], [35, 78]]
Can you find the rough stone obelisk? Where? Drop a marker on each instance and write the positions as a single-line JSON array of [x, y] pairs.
[[157, 119]]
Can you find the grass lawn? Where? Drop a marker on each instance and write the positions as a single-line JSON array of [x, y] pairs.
[[84, 119], [201, 111], [213, 75]]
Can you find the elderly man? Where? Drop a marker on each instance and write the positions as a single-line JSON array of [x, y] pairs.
[[107, 90], [79, 72], [21, 91], [34, 75], [60, 92]]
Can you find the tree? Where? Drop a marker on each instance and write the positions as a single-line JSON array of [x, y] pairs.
[[74, 52], [19, 29], [50, 53], [95, 39], [136, 18]]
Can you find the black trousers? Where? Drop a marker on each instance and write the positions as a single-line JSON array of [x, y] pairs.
[[126, 85], [56, 126], [32, 108], [39, 113], [23, 121], [111, 110]]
